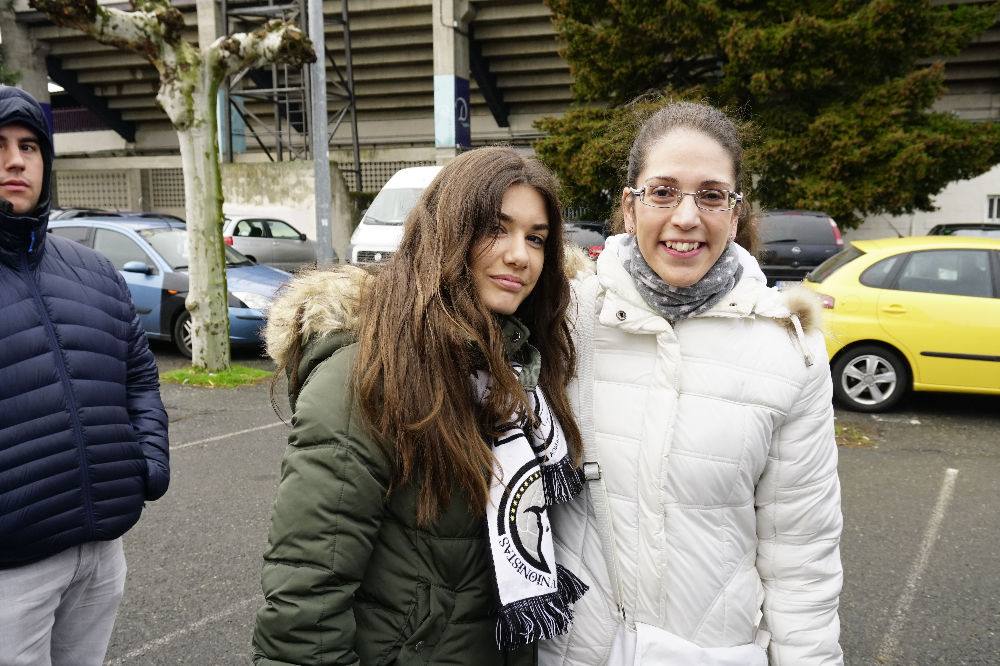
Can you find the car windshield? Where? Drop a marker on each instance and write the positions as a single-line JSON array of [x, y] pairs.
[[800, 229], [988, 233], [584, 234], [171, 244], [391, 206], [834, 263]]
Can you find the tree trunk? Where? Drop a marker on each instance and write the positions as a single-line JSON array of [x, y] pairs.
[[189, 83], [207, 299]]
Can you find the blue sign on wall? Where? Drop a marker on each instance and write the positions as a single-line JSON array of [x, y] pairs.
[[463, 129], [452, 127]]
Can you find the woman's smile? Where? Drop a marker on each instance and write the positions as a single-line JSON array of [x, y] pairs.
[[683, 249]]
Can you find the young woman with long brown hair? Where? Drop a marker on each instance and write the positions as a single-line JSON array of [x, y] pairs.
[[410, 523]]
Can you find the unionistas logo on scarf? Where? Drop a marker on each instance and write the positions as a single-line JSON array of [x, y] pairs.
[[522, 527]]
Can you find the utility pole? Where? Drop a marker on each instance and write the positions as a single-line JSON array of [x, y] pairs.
[[318, 132]]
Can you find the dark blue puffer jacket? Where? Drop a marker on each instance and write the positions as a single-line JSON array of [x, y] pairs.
[[83, 432]]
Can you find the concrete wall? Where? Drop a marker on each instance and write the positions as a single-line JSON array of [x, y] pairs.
[[961, 201], [284, 190]]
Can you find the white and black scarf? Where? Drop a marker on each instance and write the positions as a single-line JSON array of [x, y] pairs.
[[676, 303], [532, 471]]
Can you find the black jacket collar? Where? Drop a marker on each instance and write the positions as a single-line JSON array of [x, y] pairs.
[[22, 235]]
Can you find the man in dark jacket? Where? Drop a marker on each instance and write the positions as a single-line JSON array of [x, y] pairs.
[[83, 432]]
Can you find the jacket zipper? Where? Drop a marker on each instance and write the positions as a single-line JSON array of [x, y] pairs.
[[88, 509]]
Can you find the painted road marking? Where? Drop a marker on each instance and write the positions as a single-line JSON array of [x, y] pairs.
[[194, 626], [889, 651], [896, 419], [226, 436]]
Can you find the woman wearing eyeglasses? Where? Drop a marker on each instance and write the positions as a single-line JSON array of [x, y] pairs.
[[710, 530]]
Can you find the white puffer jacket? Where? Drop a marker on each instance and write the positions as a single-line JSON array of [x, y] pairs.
[[715, 439]]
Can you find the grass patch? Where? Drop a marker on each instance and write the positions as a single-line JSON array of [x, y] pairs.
[[236, 375], [852, 436]]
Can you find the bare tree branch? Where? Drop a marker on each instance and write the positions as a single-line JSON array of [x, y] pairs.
[[155, 23], [276, 42]]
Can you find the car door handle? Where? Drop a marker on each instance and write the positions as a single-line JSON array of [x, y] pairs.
[[894, 309]]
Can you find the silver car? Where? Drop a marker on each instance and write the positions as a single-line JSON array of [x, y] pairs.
[[270, 241]]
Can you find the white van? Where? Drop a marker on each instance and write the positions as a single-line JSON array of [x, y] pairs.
[[381, 228]]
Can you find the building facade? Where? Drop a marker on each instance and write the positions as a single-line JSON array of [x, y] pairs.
[[410, 60]]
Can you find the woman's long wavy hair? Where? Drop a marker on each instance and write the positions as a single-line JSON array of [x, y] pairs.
[[423, 332]]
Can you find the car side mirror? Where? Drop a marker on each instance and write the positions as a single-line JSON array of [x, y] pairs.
[[136, 267], [302, 236]]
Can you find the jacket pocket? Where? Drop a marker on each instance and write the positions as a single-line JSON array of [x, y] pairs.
[[432, 614]]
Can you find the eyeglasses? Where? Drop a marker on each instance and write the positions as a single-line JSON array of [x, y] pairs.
[[663, 196]]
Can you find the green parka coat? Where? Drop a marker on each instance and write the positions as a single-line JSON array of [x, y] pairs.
[[349, 577]]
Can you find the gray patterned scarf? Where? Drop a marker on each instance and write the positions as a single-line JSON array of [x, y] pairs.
[[676, 303]]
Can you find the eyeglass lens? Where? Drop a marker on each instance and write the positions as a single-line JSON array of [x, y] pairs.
[[664, 196]]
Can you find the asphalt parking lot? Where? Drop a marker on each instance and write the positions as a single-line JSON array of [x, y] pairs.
[[919, 546]]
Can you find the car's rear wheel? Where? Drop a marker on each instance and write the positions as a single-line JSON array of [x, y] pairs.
[[870, 378], [182, 333]]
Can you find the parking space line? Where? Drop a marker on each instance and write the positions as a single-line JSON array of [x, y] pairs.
[[226, 436], [194, 626], [889, 650]]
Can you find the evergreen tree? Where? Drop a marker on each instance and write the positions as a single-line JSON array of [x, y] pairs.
[[8, 77], [838, 95]]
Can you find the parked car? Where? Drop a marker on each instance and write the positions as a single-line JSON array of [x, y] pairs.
[[151, 254], [920, 313], [70, 213], [589, 235], [966, 229], [381, 228], [794, 242], [269, 241]]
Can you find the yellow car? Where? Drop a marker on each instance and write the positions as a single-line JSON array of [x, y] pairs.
[[919, 313]]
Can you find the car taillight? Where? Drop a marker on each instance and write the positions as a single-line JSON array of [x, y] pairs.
[[594, 251], [826, 301], [228, 240], [837, 238]]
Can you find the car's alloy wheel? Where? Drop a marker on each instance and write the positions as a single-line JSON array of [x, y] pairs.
[[182, 333], [870, 379]]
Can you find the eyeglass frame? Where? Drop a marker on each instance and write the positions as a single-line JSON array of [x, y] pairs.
[[735, 197]]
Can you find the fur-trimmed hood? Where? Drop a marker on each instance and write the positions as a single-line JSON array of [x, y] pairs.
[[797, 310], [313, 304]]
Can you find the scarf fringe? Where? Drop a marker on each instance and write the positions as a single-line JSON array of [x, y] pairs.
[[540, 618], [561, 482], [571, 588]]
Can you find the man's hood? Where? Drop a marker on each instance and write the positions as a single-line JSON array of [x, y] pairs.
[[17, 106], [25, 234]]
